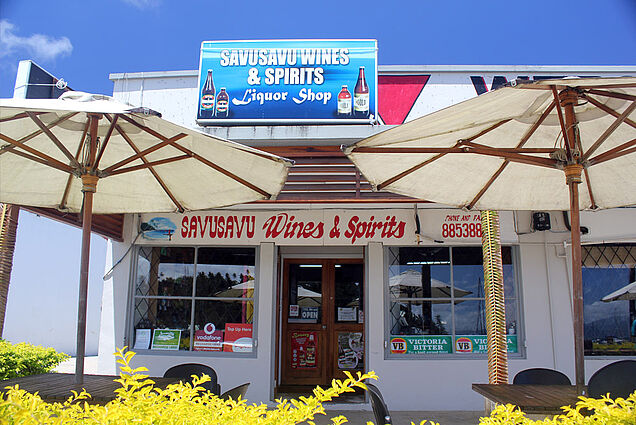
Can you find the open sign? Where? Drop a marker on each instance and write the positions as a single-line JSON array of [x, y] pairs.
[[309, 313]]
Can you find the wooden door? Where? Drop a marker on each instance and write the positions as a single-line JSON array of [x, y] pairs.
[[322, 320]]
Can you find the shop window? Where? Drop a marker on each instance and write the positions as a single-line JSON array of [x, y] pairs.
[[194, 299], [609, 299], [437, 302]]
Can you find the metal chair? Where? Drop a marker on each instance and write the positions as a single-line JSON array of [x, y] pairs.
[[541, 376], [380, 411], [186, 371], [618, 379], [235, 392]]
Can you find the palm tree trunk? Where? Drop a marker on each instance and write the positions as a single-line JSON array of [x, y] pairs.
[[495, 303], [8, 229]]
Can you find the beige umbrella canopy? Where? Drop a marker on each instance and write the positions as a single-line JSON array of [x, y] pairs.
[[527, 146], [90, 153]]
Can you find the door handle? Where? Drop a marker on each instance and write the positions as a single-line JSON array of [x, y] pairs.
[[324, 326]]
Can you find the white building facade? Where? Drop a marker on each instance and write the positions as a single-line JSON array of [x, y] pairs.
[[290, 293]]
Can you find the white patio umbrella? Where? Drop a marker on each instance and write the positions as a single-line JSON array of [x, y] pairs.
[[90, 153], [627, 292], [511, 148]]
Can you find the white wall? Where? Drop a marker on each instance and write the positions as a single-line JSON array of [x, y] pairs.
[[407, 384], [427, 384]]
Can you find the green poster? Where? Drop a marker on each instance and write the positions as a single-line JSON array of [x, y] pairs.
[[479, 344], [166, 339], [421, 344]]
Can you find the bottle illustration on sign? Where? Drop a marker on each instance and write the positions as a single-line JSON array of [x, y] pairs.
[[344, 102], [208, 94], [222, 104], [361, 96], [311, 351]]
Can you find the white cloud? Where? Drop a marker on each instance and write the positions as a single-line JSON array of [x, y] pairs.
[[142, 4], [39, 46]]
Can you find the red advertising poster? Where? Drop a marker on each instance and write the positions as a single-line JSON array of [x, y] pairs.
[[238, 337], [208, 341], [303, 350]]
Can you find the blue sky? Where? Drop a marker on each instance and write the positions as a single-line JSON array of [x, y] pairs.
[[83, 41]]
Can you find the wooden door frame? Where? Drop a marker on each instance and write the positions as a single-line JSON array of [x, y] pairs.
[[329, 355]]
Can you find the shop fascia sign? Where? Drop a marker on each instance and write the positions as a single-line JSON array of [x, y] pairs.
[[315, 227], [287, 81]]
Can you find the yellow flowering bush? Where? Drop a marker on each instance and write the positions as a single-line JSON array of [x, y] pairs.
[[139, 402], [587, 411], [24, 359]]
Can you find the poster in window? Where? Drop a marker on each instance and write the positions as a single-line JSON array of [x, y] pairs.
[[238, 337], [479, 344], [208, 340], [350, 350], [347, 314], [420, 344], [142, 339], [166, 339], [303, 350]]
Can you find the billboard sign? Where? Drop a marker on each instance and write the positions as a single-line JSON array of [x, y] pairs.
[[295, 81]]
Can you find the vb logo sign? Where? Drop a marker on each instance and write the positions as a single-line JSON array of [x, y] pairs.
[[398, 345], [463, 345]]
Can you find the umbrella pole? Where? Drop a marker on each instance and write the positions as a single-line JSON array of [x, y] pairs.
[[87, 219], [89, 187], [573, 178]]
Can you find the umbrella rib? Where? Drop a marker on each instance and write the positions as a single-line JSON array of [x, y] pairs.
[[485, 131], [409, 171], [142, 153], [589, 189], [152, 170], [53, 138], [618, 151], [608, 110], [23, 115], [67, 188], [148, 165], [113, 123], [50, 161], [59, 166], [147, 130], [28, 137], [562, 122], [221, 170], [514, 157], [615, 95], [609, 130]]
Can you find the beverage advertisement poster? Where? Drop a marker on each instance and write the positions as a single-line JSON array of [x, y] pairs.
[[166, 339], [303, 350], [238, 337], [277, 81], [350, 350], [479, 344], [421, 344]]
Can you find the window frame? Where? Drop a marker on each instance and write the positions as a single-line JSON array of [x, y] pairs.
[[520, 329], [129, 336]]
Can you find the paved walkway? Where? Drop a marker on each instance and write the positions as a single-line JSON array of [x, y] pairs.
[[68, 366], [357, 417]]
